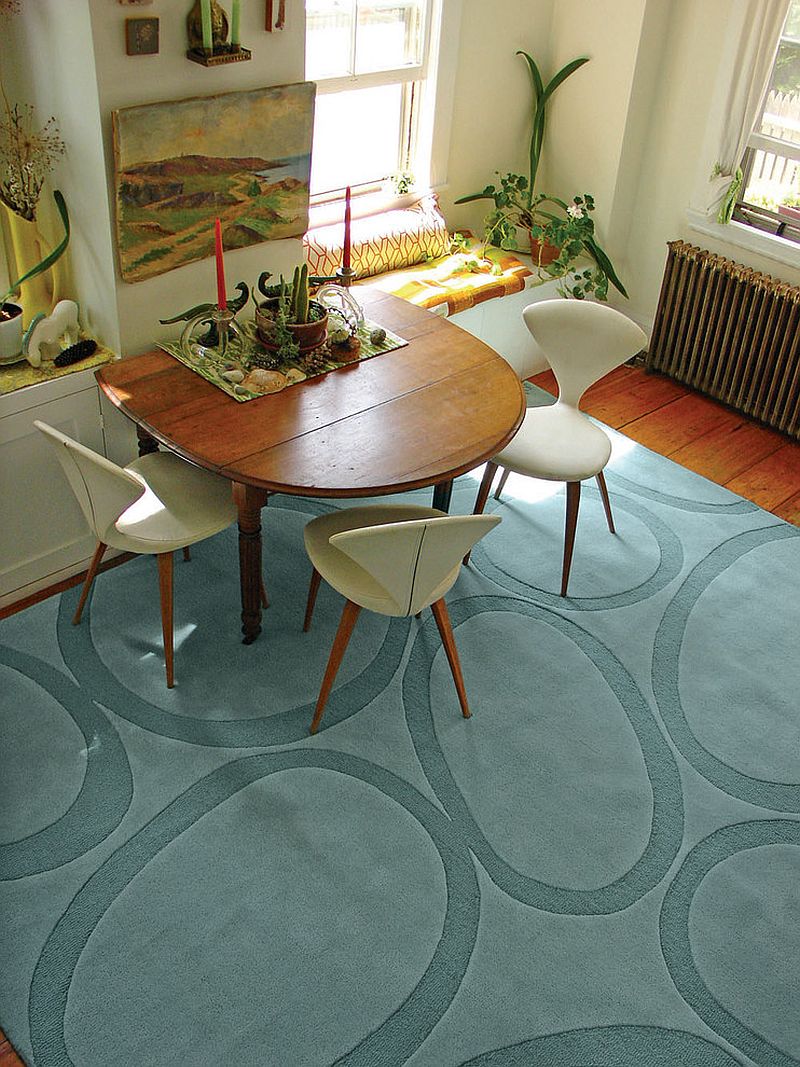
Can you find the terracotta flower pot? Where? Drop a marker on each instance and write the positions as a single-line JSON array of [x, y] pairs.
[[10, 333], [543, 252], [308, 335]]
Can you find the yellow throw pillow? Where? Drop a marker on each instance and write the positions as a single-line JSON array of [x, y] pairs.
[[381, 243]]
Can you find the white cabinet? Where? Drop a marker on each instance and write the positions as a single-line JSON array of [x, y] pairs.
[[499, 324], [43, 534]]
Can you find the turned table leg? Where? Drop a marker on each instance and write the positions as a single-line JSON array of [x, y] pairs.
[[442, 492], [250, 500], [147, 443]]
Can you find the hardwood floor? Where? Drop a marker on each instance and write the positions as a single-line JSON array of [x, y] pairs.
[[701, 434], [730, 449]]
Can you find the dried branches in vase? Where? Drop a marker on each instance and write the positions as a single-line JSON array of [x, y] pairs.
[[27, 155]]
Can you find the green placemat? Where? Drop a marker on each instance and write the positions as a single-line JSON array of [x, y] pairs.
[[253, 371]]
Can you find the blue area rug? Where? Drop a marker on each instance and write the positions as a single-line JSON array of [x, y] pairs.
[[601, 867]]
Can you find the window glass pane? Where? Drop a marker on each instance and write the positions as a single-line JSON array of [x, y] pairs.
[[329, 37], [389, 34], [357, 137], [774, 177]]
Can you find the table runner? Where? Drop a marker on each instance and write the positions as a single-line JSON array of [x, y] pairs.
[[265, 372]]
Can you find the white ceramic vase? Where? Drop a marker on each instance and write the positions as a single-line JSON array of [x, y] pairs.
[[11, 335]]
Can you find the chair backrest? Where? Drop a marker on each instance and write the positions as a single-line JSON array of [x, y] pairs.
[[582, 341], [411, 559], [102, 489]]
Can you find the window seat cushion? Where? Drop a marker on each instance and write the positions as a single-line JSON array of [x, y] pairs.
[[453, 283], [381, 243]]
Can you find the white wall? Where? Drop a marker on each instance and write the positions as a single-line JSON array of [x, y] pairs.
[[47, 61], [674, 149], [629, 126], [492, 107], [122, 81]]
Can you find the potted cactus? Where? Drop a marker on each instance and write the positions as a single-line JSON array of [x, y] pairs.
[[288, 314]]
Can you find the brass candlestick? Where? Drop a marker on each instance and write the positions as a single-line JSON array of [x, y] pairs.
[[345, 276]]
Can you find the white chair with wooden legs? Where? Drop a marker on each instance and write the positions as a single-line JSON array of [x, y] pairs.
[[582, 342], [395, 560], [153, 506]]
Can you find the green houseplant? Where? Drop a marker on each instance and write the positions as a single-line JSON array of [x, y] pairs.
[[559, 231], [288, 317]]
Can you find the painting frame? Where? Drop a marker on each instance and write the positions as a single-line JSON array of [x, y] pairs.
[[242, 156]]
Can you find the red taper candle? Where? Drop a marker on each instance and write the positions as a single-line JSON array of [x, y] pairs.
[[221, 301], [346, 249]]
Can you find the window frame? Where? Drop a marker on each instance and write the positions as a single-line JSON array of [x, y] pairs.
[[757, 216], [416, 80]]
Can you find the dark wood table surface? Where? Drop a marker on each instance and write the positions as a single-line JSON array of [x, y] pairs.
[[416, 416]]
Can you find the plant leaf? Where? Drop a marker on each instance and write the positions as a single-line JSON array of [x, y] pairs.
[[604, 263], [562, 76], [475, 196]]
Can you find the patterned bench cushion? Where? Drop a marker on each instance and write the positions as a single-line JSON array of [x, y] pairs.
[[456, 282], [381, 243]]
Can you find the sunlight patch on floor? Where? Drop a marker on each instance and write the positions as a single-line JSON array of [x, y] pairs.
[[521, 487]]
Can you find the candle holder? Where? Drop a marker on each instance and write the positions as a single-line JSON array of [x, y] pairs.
[[221, 50], [345, 276], [232, 54], [214, 344]]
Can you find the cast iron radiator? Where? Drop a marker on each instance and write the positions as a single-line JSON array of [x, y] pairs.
[[731, 332]]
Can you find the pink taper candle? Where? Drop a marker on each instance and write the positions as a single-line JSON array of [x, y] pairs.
[[221, 301], [346, 249]]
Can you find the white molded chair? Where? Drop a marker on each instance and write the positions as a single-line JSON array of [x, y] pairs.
[[154, 505], [582, 341], [395, 560]]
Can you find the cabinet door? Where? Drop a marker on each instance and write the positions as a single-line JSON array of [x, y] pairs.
[[43, 534]]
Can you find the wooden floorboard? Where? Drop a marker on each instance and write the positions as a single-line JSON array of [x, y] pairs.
[[700, 434], [8, 1057]]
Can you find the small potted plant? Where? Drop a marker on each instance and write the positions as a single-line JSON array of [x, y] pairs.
[[558, 231], [289, 314], [10, 333]]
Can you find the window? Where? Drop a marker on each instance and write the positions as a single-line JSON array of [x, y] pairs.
[[369, 59], [771, 166]]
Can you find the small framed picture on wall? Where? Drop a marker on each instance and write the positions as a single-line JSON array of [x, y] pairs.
[[141, 37]]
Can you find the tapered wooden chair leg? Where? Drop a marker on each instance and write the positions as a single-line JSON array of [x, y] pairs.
[[165, 588], [501, 484], [263, 594], [316, 578], [601, 483], [483, 495], [90, 577], [442, 616], [187, 555], [340, 642], [573, 503]]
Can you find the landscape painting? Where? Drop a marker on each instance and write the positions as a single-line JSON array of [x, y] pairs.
[[243, 157]]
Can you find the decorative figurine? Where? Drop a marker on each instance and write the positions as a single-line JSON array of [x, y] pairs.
[[42, 340]]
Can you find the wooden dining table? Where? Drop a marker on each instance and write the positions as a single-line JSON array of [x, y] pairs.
[[412, 417]]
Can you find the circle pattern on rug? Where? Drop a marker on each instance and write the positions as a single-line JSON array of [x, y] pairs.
[[769, 793], [398, 1034], [677, 942], [103, 797], [666, 825]]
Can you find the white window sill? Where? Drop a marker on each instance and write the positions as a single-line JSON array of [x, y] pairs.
[[742, 236], [327, 212]]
